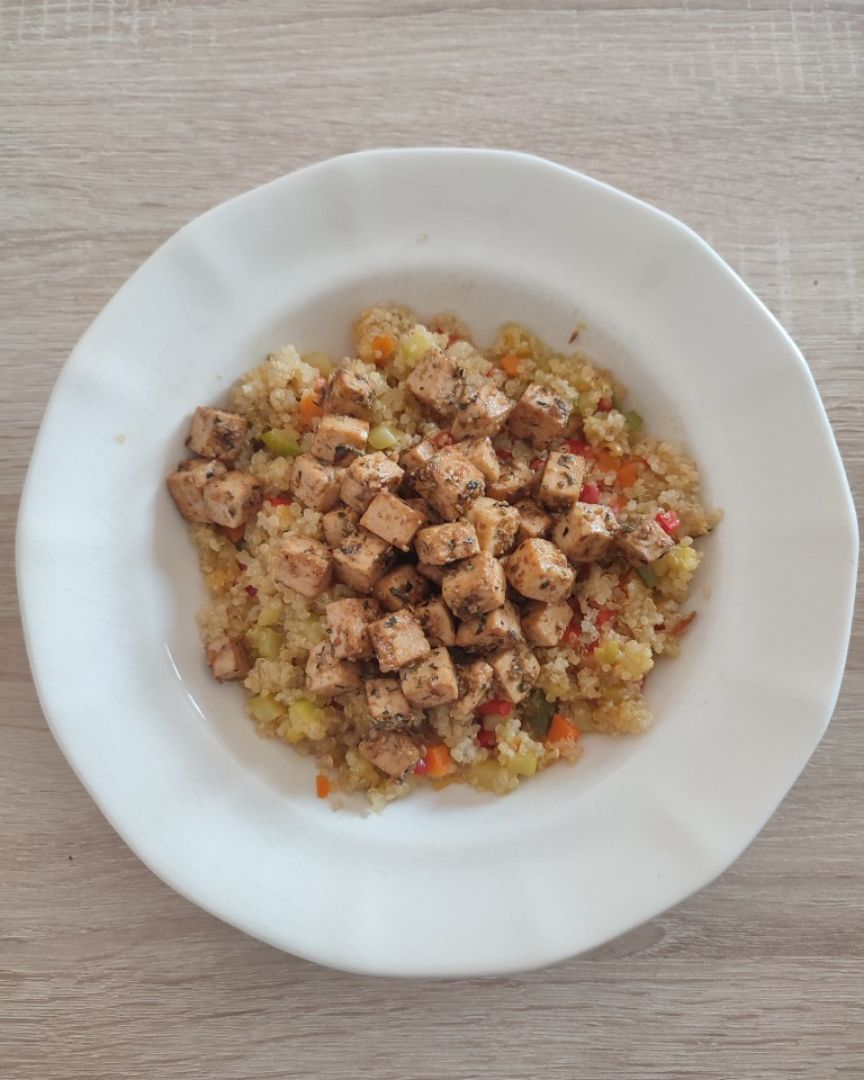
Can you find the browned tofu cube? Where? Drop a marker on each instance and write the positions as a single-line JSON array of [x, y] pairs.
[[474, 586], [643, 541], [544, 624], [514, 480], [228, 659], [490, 631], [432, 573], [540, 416], [585, 532], [475, 686], [325, 675], [416, 456], [562, 479], [496, 524], [339, 524], [481, 454], [516, 670], [348, 627], [362, 559], [388, 706], [304, 565], [393, 752], [367, 477], [348, 394], [401, 588], [539, 570], [534, 523], [437, 622], [393, 519], [315, 484], [214, 433], [483, 410], [450, 483], [231, 500], [431, 681], [187, 487], [442, 544], [436, 382], [339, 437], [398, 639]]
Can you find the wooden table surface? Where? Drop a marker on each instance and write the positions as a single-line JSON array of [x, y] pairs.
[[120, 121]]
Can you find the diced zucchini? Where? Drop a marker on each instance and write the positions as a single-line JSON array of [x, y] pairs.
[[484, 775], [634, 421], [414, 345], [271, 613], [283, 442], [265, 709], [383, 437], [648, 576], [265, 641], [522, 764]]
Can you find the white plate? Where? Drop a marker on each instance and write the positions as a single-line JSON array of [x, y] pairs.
[[454, 883]]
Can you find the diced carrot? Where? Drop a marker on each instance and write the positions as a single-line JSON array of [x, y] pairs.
[[421, 768], [277, 500], [628, 474], [309, 409], [235, 534], [607, 462], [510, 364], [561, 730], [383, 346], [439, 761], [503, 455], [605, 405], [322, 786]]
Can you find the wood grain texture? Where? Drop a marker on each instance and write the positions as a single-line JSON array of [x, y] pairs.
[[120, 121]]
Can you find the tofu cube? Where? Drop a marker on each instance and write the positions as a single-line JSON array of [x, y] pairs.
[[432, 573], [393, 752], [348, 394], [481, 454], [339, 524], [315, 484], [398, 640], [401, 588], [475, 685], [187, 484], [540, 416], [367, 477], [544, 624], [362, 559], [228, 659], [325, 675], [585, 532], [483, 410], [450, 483], [534, 522], [393, 519], [643, 541], [539, 570], [215, 433], [437, 382], [475, 586], [348, 627], [516, 670], [339, 437], [431, 681], [496, 524], [388, 706], [437, 622], [304, 565], [562, 479], [231, 500], [514, 480], [416, 456], [442, 544], [490, 631]]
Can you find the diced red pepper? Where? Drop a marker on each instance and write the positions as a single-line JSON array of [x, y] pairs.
[[236, 534], [679, 628], [251, 590], [537, 464], [440, 439], [503, 455], [605, 405], [573, 633], [604, 615], [421, 768], [487, 738], [590, 493], [618, 506], [278, 500], [576, 446], [668, 521], [496, 707]]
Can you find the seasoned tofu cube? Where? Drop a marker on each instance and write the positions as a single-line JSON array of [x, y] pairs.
[[231, 500], [496, 524], [362, 559], [367, 477], [315, 484], [398, 639], [393, 752], [393, 519], [490, 631], [214, 433], [514, 480], [432, 573], [388, 706], [585, 532], [481, 454], [483, 410], [326, 675], [416, 456], [431, 681], [643, 541], [187, 487], [516, 670], [475, 586], [441, 544], [475, 685], [534, 523], [400, 588], [339, 524], [348, 627], [544, 624], [348, 394], [437, 622], [437, 382], [304, 565], [540, 571], [540, 416], [339, 437], [562, 479], [450, 483], [227, 659]]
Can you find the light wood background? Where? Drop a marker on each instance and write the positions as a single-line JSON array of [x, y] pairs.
[[120, 121]]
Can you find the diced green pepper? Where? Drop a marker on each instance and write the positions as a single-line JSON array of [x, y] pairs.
[[383, 437], [648, 576], [634, 421], [282, 442], [537, 714]]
